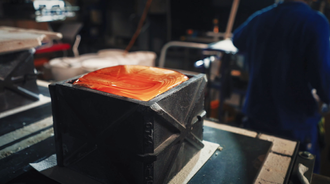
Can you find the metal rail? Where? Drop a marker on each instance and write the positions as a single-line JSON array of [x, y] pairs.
[[178, 44]]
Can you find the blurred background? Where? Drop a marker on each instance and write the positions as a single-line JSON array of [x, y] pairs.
[[96, 30]]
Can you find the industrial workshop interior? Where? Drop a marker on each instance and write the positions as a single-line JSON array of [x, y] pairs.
[[164, 91]]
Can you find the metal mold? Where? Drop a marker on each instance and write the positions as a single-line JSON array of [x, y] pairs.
[[115, 139]]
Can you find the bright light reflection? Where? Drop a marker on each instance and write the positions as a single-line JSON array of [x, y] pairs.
[[207, 62], [199, 63], [212, 58], [38, 4]]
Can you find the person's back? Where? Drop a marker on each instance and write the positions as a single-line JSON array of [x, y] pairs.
[[287, 51], [281, 57]]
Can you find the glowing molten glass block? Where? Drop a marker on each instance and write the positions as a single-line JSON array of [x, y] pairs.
[[138, 82]]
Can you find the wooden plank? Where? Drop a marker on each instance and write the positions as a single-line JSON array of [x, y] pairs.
[[274, 169], [282, 146], [12, 42], [50, 35], [13, 39]]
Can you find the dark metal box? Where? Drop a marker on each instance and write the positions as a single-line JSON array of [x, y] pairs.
[[115, 139]]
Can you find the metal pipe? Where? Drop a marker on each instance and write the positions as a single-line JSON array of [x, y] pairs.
[[178, 44], [231, 19], [75, 46]]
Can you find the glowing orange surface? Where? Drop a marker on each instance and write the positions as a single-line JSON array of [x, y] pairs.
[[138, 82]]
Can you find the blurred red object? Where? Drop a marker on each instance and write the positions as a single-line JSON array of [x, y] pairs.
[[53, 48]]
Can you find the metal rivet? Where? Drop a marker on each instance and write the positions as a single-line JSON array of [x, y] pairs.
[[306, 155]]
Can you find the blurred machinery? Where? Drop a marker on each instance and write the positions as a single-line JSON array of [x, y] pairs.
[[38, 10]]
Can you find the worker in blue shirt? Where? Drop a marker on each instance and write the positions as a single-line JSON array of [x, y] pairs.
[[286, 47]]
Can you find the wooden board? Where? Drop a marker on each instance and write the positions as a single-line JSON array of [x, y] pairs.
[[274, 169], [13, 39], [282, 146], [278, 160]]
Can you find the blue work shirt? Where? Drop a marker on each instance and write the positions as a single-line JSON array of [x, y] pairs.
[[287, 51]]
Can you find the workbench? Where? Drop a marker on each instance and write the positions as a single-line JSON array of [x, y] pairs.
[[246, 157]]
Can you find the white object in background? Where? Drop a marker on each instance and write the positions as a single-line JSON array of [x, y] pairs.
[[65, 68], [145, 58], [83, 57], [92, 64], [104, 58], [76, 45], [125, 60], [225, 46], [110, 52], [38, 4]]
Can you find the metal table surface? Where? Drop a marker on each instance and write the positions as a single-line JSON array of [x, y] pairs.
[[238, 162], [16, 162]]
